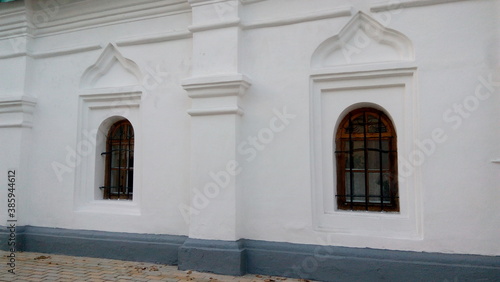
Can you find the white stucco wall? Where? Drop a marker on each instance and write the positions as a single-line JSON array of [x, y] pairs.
[[443, 64]]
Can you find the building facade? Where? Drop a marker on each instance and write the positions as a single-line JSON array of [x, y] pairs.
[[328, 140]]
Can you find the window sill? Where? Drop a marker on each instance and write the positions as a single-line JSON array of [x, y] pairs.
[[364, 213]]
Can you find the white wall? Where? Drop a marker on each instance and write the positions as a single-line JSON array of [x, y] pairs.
[[455, 177], [451, 197]]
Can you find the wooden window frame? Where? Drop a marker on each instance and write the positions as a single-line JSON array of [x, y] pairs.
[[111, 190], [344, 139]]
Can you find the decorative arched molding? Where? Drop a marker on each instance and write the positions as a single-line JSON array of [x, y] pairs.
[[126, 70], [363, 40]]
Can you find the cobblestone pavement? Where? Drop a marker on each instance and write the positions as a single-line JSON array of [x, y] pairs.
[[49, 267]]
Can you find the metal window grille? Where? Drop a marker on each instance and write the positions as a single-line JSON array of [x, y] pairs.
[[366, 162], [119, 176]]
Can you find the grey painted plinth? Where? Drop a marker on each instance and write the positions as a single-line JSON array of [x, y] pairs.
[[222, 257], [112, 245], [323, 263], [5, 235], [328, 263]]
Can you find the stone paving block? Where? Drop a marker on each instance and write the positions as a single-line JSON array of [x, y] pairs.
[[139, 279], [39, 276], [157, 278], [124, 277], [51, 279], [50, 267]]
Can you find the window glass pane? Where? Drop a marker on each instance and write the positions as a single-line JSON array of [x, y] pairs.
[[374, 144], [358, 160], [356, 126], [385, 145], [358, 156], [374, 160], [374, 154], [115, 156], [356, 144], [119, 157], [358, 187], [118, 133], [115, 178], [374, 188], [120, 177], [374, 126], [120, 181]]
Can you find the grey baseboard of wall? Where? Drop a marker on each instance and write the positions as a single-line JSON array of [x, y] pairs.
[[329, 263], [5, 237], [323, 263], [222, 257], [111, 245]]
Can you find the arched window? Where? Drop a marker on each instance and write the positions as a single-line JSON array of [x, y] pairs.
[[366, 157], [119, 176]]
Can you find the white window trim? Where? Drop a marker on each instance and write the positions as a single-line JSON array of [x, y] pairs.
[[327, 110], [99, 108]]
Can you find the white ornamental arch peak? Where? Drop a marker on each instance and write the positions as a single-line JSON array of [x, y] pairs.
[[111, 69], [363, 40]]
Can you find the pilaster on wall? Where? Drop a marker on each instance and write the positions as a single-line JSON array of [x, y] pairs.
[[17, 111], [15, 46], [16, 121], [216, 30], [215, 195], [14, 30], [215, 89], [16, 103], [215, 167]]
